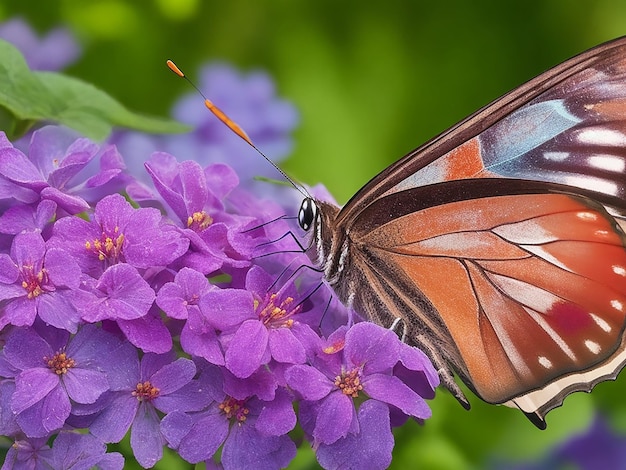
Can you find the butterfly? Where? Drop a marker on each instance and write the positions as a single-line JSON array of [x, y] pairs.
[[498, 246]]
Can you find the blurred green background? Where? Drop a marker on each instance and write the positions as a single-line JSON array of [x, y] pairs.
[[372, 80]]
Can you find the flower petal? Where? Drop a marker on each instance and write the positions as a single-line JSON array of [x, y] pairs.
[[284, 346], [200, 445], [335, 418], [145, 436], [247, 349], [308, 382], [392, 390], [371, 448], [31, 386], [84, 385], [174, 376]]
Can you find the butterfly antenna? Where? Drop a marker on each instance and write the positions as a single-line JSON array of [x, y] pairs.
[[233, 126]]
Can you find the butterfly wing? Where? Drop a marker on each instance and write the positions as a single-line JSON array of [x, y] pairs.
[[517, 282], [566, 126], [520, 286]]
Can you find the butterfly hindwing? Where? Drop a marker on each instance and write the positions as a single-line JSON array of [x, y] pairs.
[[521, 285]]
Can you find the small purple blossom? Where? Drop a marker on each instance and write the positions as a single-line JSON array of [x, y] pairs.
[[72, 450], [360, 364], [252, 431], [38, 280], [264, 326], [54, 372], [155, 383], [119, 233], [195, 196], [53, 169], [69, 450], [119, 294], [54, 51], [180, 299], [27, 453]]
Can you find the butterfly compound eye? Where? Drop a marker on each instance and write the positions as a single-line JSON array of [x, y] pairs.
[[307, 213]]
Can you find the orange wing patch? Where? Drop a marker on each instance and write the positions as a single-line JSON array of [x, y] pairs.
[[530, 287]]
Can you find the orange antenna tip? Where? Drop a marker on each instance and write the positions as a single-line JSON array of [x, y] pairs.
[[174, 68]]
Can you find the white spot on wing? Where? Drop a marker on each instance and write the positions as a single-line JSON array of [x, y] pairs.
[[619, 270], [535, 400], [593, 346], [602, 136], [594, 184], [617, 305], [587, 216], [601, 323], [607, 162], [556, 156], [545, 362]]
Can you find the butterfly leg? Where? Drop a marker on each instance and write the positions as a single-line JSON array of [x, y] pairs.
[[445, 374]]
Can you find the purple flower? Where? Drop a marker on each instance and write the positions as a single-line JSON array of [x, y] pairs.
[[38, 280], [157, 383], [195, 196], [53, 169], [54, 371], [27, 218], [252, 431], [55, 51], [180, 299], [363, 364], [70, 450], [82, 451], [263, 325], [120, 294], [119, 233], [27, 454]]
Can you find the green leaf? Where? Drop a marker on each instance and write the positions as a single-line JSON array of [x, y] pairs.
[[30, 97]]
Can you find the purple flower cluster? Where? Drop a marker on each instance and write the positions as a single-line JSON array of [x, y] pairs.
[[176, 313], [164, 322]]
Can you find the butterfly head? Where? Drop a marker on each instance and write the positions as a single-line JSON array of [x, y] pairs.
[[307, 213]]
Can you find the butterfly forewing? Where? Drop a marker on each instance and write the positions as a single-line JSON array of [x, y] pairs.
[[566, 126], [500, 243]]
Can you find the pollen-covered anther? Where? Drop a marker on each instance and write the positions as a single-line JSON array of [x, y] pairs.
[[107, 247], [60, 363], [279, 316], [145, 391], [199, 221], [234, 409], [33, 282], [349, 383]]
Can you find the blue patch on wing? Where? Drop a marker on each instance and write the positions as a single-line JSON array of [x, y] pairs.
[[523, 131]]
